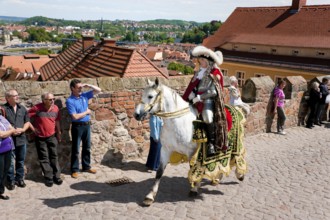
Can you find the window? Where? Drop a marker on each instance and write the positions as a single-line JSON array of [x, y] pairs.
[[320, 54], [240, 75], [253, 49], [235, 47], [295, 52], [224, 72], [259, 74], [273, 51]]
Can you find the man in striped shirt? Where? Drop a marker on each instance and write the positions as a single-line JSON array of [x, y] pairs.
[[45, 118]]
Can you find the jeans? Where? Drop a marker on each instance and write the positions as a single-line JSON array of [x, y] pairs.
[[17, 163], [319, 112], [280, 119], [5, 161], [81, 133], [48, 158]]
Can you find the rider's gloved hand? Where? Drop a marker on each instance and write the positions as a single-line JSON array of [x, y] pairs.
[[197, 99], [191, 96]]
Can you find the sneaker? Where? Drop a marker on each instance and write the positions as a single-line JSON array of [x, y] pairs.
[[20, 183], [93, 171], [282, 132], [74, 175], [58, 181]]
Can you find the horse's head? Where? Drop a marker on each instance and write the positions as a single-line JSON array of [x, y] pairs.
[[150, 100]]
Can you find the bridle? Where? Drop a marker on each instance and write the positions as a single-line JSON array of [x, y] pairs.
[[159, 100]]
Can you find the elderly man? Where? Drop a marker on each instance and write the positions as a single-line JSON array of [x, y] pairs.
[[18, 117], [45, 118]]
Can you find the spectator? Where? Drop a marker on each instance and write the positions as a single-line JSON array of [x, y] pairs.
[[153, 160], [18, 117], [77, 105], [235, 96], [6, 146], [321, 104], [45, 118], [314, 98], [279, 101]]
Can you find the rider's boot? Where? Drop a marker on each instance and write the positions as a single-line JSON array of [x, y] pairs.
[[210, 132]]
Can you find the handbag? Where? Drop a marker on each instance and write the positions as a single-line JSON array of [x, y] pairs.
[[6, 145]]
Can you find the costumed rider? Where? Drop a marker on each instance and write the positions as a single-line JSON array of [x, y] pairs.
[[205, 93]]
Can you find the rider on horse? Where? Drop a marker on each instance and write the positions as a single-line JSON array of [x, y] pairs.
[[205, 92]]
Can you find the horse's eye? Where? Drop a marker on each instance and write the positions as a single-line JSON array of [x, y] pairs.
[[150, 97]]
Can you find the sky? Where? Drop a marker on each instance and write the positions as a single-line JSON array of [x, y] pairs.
[[189, 10]]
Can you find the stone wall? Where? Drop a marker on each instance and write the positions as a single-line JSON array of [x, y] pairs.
[[117, 135]]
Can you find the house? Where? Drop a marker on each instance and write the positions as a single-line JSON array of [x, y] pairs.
[[87, 58], [24, 67], [275, 41]]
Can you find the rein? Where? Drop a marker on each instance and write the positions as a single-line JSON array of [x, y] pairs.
[[160, 113]]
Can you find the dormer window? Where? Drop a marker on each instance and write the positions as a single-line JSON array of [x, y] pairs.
[[295, 52], [235, 47]]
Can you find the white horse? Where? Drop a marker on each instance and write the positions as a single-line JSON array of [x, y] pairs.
[[177, 131]]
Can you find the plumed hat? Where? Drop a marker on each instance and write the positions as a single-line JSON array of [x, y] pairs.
[[201, 51]]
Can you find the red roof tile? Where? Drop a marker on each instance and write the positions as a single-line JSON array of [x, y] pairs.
[[24, 67], [309, 27], [99, 60]]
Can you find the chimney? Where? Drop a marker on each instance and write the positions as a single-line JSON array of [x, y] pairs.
[[296, 5], [108, 42], [87, 42]]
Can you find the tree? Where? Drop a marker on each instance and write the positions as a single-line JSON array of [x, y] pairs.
[[180, 68]]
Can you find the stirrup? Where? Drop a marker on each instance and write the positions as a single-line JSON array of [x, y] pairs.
[[210, 150]]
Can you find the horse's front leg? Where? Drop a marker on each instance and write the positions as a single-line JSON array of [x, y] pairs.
[[150, 197]]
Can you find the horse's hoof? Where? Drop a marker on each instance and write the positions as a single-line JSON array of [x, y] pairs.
[[193, 193], [147, 201], [240, 178], [215, 182]]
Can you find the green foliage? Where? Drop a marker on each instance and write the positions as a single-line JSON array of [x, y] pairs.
[[43, 51], [17, 34], [187, 70], [131, 37], [170, 22], [38, 35], [197, 34]]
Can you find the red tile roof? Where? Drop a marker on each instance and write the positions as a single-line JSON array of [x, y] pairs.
[[98, 60], [309, 27], [24, 67]]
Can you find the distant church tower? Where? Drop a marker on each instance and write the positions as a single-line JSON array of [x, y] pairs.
[[101, 29]]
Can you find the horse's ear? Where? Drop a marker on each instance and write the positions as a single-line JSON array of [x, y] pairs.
[[157, 82], [149, 82]]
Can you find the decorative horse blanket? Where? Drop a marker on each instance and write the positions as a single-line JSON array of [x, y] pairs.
[[211, 168]]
